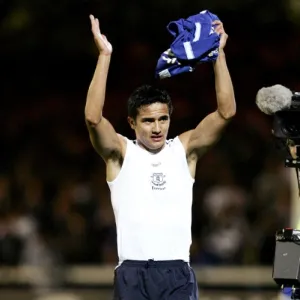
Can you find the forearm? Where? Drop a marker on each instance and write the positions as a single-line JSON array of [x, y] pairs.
[[224, 87], [96, 92]]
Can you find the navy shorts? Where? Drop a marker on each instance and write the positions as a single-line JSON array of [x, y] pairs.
[[155, 280]]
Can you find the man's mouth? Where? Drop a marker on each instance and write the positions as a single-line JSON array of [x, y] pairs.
[[156, 138]]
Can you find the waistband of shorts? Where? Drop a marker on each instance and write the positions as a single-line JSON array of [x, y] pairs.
[[151, 263]]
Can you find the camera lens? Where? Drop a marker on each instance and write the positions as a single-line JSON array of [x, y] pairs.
[[291, 125]]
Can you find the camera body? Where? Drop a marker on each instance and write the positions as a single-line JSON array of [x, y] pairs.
[[286, 122], [286, 128]]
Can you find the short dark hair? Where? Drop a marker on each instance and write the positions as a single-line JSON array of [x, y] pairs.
[[145, 95]]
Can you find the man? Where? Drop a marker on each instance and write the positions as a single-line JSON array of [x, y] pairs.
[[151, 180]]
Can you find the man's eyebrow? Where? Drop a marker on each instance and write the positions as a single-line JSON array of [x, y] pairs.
[[151, 119], [147, 119], [165, 117]]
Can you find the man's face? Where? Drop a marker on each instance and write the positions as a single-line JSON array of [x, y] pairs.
[[151, 126]]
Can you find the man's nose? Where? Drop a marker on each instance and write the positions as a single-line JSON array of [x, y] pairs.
[[156, 128]]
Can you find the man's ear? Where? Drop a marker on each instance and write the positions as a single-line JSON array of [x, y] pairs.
[[131, 122]]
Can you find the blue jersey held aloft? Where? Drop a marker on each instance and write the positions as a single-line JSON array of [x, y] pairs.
[[195, 41]]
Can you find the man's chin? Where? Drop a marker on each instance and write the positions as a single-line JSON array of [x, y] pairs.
[[155, 146]]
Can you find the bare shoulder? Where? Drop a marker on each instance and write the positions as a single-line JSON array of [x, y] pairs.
[[192, 153], [118, 154], [185, 139], [108, 144], [123, 143]]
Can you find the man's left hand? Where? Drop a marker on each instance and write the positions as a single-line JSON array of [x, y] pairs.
[[219, 29]]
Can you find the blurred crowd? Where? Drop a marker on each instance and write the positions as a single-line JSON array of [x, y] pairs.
[[54, 200]]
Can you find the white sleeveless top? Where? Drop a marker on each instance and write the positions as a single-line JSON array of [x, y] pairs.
[[152, 203]]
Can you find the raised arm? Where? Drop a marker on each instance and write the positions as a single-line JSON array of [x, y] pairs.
[[102, 134], [208, 131]]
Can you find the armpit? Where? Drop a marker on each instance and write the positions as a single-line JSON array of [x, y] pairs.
[[116, 156]]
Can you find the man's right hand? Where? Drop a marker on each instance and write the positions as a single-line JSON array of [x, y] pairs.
[[103, 45]]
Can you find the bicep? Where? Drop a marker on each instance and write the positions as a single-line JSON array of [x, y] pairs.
[[105, 140], [206, 133]]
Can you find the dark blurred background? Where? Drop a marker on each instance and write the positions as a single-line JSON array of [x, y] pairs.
[[54, 202]]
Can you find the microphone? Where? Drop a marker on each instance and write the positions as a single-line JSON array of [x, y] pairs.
[[273, 99]]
